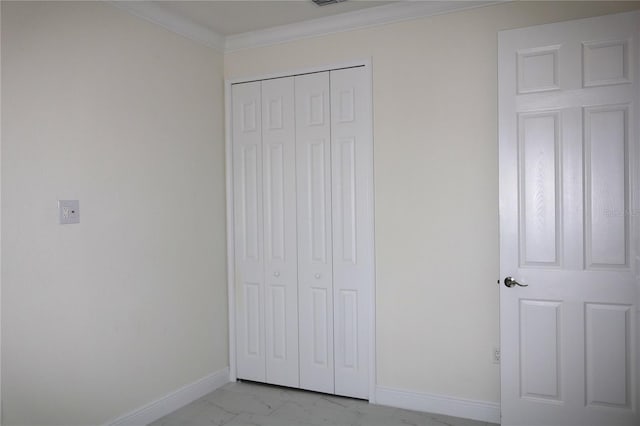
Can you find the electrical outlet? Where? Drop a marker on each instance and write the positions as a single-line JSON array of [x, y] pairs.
[[496, 355], [69, 211]]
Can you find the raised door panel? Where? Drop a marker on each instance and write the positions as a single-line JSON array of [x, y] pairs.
[[606, 186], [315, 287], [248, 222], [605, 62], [608, 355], [538, 139], [540, 351], [280, 260], [538, 69], [352, 207]]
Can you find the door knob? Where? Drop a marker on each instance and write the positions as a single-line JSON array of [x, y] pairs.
[[317, 276], [276, 274], [510, 282]]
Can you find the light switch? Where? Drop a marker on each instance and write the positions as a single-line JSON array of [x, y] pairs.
[[69, 211]]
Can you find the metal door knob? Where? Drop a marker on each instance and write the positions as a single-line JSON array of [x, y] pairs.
[[276, 274], [510, 282], [317, 276]]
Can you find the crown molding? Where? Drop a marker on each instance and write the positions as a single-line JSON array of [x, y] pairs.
[[156, 13], [358, 19]]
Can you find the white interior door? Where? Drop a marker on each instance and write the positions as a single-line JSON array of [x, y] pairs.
[[280, 252], [569, 96], [352, 205], [315, 275], [248, 232]]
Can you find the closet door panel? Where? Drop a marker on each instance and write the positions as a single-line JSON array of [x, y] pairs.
[[279, 198], [248, 222], [352, 215], [313, 169]]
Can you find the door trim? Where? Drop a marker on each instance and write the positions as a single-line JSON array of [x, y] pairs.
[[366, 63]]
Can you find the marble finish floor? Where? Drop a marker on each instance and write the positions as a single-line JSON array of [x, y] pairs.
[[253, 404]]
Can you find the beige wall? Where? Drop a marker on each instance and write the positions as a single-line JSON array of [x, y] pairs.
[[105, 316], [436, 177]]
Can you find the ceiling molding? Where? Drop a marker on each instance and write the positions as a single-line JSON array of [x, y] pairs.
[[155, 12], [358, 19], [158, 14]]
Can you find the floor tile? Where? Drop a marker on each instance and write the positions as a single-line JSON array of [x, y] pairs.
[[254, 404], [416, 418], [320, 413], [244, 402], [198, 413], [245, 419]]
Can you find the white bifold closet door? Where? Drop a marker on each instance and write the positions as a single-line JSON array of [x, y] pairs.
[[315, 254], [248, 231], [303, 185], [280, 253], [352, 214], [265, 231]]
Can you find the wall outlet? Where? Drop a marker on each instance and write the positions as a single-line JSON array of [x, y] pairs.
[[496, 354], [69, 211]]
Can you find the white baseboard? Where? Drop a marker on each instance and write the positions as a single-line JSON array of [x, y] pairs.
[[172, 401], [438, 404]]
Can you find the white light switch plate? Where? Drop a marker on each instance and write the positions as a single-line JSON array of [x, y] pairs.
[[69, 211]]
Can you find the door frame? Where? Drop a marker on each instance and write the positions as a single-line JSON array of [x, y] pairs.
[[228, 82]]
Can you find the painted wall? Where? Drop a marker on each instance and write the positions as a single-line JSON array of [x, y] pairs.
[[105, 316], [436, 177]]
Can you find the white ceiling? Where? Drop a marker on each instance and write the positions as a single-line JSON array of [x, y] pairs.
[[239, 16], [233, 25]]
